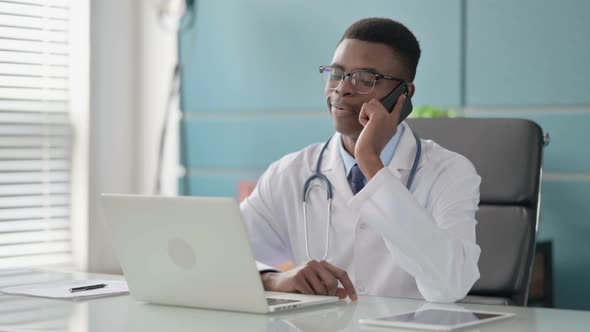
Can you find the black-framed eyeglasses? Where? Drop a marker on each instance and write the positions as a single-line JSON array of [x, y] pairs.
[[362, 80]]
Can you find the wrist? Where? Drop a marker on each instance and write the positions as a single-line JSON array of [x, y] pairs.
[[369, 165], [267, 278]]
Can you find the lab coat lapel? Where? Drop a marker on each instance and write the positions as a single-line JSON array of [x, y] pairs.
[[333, 168], [405, 153]]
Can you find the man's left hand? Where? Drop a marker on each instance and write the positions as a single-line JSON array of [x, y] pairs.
[[379, 127]]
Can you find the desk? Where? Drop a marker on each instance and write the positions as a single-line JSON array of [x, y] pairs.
[[123, 313]]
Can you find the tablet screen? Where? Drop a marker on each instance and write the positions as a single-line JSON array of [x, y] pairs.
[[440, 317]]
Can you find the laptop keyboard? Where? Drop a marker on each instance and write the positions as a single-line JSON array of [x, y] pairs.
[[273, 301]]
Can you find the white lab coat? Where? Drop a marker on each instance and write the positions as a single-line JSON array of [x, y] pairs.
[[391, 241]]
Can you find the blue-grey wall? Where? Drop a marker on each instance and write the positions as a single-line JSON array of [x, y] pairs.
[[252, 91], [251, 88], [530, 59]]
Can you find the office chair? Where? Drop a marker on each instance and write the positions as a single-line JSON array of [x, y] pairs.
[[507, 154]]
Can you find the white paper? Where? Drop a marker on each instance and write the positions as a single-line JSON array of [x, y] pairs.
[[61, 289]]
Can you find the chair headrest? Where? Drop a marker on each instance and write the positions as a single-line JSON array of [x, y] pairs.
[[507, 153]]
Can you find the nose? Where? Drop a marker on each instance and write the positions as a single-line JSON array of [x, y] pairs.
[[345, 87]]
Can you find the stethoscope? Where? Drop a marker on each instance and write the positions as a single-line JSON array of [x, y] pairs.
[[328, 185]]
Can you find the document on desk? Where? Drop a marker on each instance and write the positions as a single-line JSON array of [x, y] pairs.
[[71, 289]]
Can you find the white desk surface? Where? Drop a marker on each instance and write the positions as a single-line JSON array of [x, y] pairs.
[[123, 313]]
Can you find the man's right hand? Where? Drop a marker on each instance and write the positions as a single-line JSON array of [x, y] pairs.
[[320, 278]]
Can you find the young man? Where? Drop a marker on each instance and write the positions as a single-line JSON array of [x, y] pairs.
[[379, 238]]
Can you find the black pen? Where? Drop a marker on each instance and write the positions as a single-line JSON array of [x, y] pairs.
[[85, 288]]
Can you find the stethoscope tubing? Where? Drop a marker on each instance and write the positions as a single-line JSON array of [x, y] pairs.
[[328, 186]]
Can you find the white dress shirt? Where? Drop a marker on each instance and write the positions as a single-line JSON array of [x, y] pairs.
[[392, 242], [386, 154]]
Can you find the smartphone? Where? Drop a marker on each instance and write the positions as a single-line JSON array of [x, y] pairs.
[[390, 100]]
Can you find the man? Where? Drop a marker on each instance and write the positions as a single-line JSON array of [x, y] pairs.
[[380, 238]]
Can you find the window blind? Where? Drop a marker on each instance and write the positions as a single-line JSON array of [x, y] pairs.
[[35, 133]]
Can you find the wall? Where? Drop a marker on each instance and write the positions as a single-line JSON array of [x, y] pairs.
[[529, 59], [251, 77], [252, 92], [131, 64], [112, 114]]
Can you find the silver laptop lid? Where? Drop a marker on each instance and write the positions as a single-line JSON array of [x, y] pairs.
[[187, 251]]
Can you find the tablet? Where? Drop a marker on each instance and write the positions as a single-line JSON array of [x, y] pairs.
[[437, 319]]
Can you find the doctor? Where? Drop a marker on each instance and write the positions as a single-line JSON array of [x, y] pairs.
[[375, 236]]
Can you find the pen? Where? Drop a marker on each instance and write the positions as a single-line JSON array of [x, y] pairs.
[[85, 288]]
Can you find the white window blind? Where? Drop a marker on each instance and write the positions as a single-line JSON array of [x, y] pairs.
[[35, 133]]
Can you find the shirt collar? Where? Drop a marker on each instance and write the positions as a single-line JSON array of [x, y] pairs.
[[386, 154]]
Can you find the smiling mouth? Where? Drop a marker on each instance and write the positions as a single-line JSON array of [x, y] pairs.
[[343, 111], [342, 108]]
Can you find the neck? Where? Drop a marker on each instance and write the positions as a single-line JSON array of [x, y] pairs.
[[349, 143]]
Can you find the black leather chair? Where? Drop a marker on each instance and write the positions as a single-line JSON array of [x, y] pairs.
[[507, 154]]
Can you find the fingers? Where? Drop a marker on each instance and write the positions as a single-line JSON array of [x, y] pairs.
[[374, 105], [325, 281], [368, 109], [314, 281], [342, 276], [363, 117], [330, 282], [397, 109], [341, 293], [315, 278], [301, 285], [399, 104]]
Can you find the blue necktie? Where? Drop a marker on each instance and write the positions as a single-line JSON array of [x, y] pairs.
[[358, 179]]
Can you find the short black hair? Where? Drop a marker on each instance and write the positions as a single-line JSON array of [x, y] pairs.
[[389, 32]]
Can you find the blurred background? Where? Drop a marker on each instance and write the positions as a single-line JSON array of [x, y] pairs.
[[199, 97]]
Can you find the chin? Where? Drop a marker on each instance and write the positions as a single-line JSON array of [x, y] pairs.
[[348, 129]]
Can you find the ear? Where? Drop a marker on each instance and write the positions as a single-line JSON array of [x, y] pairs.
[[411, 89]]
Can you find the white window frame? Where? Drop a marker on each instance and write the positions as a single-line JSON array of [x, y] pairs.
[[80, 116]]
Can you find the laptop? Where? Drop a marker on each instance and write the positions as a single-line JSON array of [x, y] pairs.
[[193, 252]]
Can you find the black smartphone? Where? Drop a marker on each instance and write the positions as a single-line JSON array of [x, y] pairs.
[[390, 100]]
